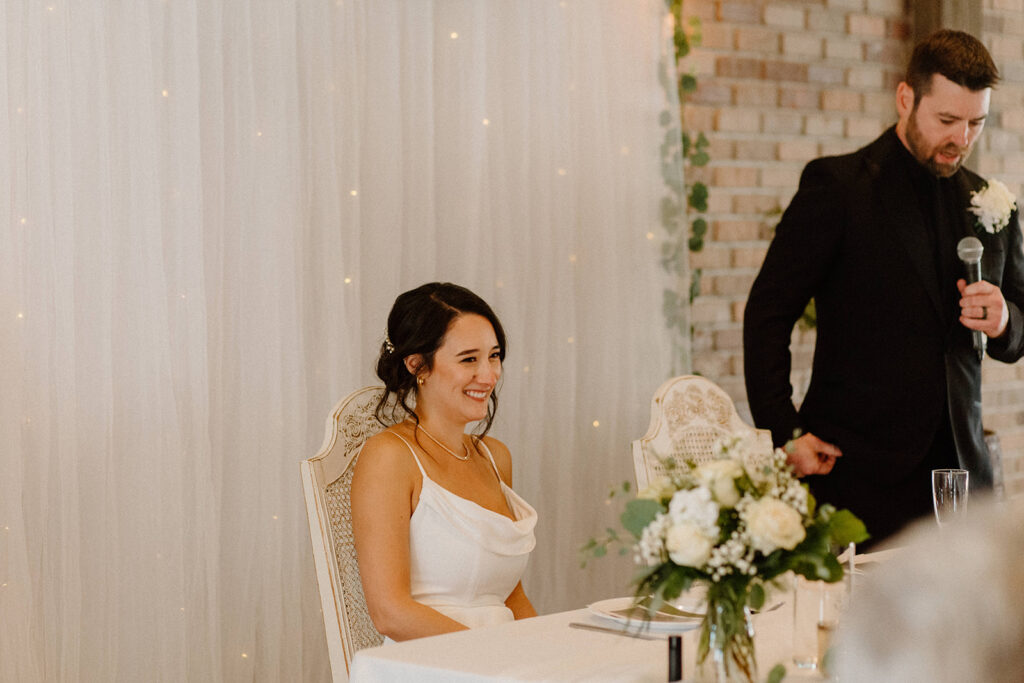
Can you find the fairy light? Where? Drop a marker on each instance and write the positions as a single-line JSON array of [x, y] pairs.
[[562, 171], [454, 35], [259, 133], [165, 93], [571, 340], [526, 368], [596, 423], [650, 235], [572, 258], [353, 192], [24, 221], [487, 122], [348, 281]]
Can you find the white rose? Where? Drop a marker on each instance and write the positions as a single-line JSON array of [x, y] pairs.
[[720, 476], [687, 545], [696, 506], [993, 206], [771, 524]]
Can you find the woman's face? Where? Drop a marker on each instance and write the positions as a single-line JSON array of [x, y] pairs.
[[466, 369]]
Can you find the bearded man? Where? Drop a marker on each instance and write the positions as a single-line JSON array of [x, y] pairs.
[[872, 236]]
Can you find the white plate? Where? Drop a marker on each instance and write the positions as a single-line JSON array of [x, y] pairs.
[[618, 610]]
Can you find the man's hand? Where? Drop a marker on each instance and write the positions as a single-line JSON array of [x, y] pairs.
[[983, 308], [807, 454]]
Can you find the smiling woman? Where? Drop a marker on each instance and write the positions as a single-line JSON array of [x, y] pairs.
[[442, 539]]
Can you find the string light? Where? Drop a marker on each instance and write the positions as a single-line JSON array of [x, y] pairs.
[[597, 423], [572, 258], [650, 235], [165, 93], [275, 516], [245, 656], [348, 281], [562, 171], [21, 316], [259, 133], [526, 368], [571, 340], [624, 150], [487, 122], [24, 221], [353, 192], [455, 35]]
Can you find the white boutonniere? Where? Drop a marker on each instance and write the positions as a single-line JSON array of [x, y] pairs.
[[993, 205]]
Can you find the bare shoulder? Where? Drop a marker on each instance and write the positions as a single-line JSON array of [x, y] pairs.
[[502, 458], [384, 455]]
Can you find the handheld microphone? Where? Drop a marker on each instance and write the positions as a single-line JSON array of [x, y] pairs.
[[969, 250]]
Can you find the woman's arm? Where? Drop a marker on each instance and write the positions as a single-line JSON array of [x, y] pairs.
[[383, 487], [516, 601], [520, 605]]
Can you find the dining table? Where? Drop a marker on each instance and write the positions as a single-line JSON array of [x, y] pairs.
[[577, 645]]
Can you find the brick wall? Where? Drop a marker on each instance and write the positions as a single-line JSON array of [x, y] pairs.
[[782, 82]]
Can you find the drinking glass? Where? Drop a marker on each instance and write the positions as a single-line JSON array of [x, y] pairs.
[[949, 495]]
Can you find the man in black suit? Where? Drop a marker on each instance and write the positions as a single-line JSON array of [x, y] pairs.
[[896, 385]]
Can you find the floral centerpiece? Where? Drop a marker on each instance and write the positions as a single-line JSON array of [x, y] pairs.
[[733, 524]]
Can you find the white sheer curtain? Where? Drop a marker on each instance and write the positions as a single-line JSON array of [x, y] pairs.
[[207, 209]]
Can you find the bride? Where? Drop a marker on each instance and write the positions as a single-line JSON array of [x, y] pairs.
[[441, 538]]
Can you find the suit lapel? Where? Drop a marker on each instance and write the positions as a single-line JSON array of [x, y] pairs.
[[902, 214]]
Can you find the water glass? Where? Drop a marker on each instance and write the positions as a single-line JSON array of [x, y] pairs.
[[949, 494]]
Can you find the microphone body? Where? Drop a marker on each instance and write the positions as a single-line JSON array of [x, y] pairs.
[[969, 249]]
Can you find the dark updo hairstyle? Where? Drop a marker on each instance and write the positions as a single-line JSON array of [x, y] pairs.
[[417, 324]]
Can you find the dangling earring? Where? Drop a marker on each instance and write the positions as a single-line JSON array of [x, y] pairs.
[[420, 381]]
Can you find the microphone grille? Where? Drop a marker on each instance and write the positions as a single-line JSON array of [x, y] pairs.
[[969, 250]]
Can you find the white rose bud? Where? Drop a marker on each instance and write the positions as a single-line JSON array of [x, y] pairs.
[[772, 524], [719, 476], [658, 488], [687, 546]]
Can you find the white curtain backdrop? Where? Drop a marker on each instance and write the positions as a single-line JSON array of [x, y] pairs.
[[207, 208]]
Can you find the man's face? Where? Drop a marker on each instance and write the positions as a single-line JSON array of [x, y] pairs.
[[941, 129]]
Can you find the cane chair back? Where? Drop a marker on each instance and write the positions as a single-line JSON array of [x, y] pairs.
[[689, 416], [327, 483]]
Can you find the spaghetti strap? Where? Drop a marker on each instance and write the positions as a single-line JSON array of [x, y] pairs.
[[491, 458], [411, 450]]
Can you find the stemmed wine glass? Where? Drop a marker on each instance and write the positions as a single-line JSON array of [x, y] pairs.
[[949, 495]]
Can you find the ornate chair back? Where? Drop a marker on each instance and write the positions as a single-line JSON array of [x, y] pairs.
[[689, 415], [326, 483]]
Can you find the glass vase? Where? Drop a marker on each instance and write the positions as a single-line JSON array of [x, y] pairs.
[[726, 651]]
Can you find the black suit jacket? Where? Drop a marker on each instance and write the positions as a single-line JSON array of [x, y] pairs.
[[890, 355]]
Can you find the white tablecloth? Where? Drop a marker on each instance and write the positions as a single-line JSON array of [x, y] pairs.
[[547, 649]]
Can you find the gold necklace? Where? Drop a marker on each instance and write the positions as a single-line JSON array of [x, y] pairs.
[[450, 451]]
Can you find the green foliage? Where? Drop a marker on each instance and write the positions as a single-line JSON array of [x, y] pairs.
[[690, 150], [777, 673], [638, 514]]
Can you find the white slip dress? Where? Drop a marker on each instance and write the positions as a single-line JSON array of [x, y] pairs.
[[464, 559]]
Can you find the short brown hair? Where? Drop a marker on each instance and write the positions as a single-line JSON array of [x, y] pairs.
[[958, 56]]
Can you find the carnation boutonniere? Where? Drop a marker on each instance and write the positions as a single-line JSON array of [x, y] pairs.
[[992, 205]]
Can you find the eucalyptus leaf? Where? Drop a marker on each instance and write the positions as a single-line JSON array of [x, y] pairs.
[[777, 673], [638, 514]]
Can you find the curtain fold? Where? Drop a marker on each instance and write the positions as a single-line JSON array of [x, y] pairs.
[[208, 209]]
